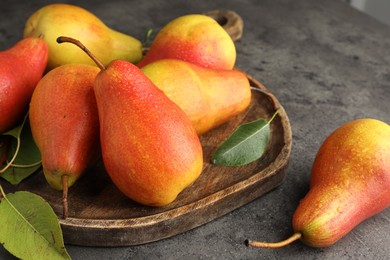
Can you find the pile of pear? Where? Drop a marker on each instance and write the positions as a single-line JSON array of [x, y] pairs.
[[92, 94]]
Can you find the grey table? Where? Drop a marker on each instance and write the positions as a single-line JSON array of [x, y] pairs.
[[326, 63]]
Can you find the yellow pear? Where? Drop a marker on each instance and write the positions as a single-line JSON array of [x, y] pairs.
[[208, 96], [54, 20]]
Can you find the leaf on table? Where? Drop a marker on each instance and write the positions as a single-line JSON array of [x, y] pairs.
[[245, 145], [23, 157], [29, 227]]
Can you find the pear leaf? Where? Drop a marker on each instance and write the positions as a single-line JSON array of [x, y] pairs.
[[246, 144], [21, 156], [148, 34], [29, 227]]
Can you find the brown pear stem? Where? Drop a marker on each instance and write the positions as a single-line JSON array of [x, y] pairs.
[[286, 242], [62, 39], [64, 179]]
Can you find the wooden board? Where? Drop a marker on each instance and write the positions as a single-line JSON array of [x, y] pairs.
[[99, 215]]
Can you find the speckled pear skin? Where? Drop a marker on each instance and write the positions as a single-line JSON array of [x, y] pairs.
[[54, 20], [349, 183], [209, 97], [65, 124], [195, 38], [149, 147], [22, 66]]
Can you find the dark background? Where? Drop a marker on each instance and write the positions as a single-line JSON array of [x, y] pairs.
[[327, 64]]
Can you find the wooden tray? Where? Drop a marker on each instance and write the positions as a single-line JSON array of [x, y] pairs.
[[99, 215]]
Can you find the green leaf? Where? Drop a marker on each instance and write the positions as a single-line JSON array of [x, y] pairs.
[[245, 145], [22, 154], [29, 227]]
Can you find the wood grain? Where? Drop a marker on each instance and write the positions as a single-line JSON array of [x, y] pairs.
[[230, 21], [100, 215]]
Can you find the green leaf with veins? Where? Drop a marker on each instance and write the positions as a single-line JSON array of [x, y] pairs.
[[20, 155], [29, 227], [245, 145]]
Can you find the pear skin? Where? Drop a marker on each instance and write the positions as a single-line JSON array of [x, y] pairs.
[[22, 66], [204, 94], [54, 20], [149, 147], [195, 38], [65, 124], [349, 183]]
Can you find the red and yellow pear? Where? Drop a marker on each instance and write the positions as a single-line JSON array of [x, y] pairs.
[[349, 183], [195, 38], [204, 94], [149, 147], [65, 124], [22, 66]]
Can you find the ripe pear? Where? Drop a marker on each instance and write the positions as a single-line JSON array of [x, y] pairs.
[[149, 147], [204, 94], [22, 66], [65, 124], [349, 183], [194, 38], [57, 19]]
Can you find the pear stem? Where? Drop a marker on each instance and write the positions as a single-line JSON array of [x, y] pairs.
[[286, 242], [62, 39], [64, 179]]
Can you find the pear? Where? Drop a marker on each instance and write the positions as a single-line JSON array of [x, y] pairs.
[[57, 19], [22, 66], [149, 147], [194, 38], [65, 124], [349, 183], [204, 94]]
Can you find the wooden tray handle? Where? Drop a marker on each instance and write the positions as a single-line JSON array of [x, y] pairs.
[[230, 21]]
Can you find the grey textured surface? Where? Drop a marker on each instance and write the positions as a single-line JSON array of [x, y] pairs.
[[326, 62]]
